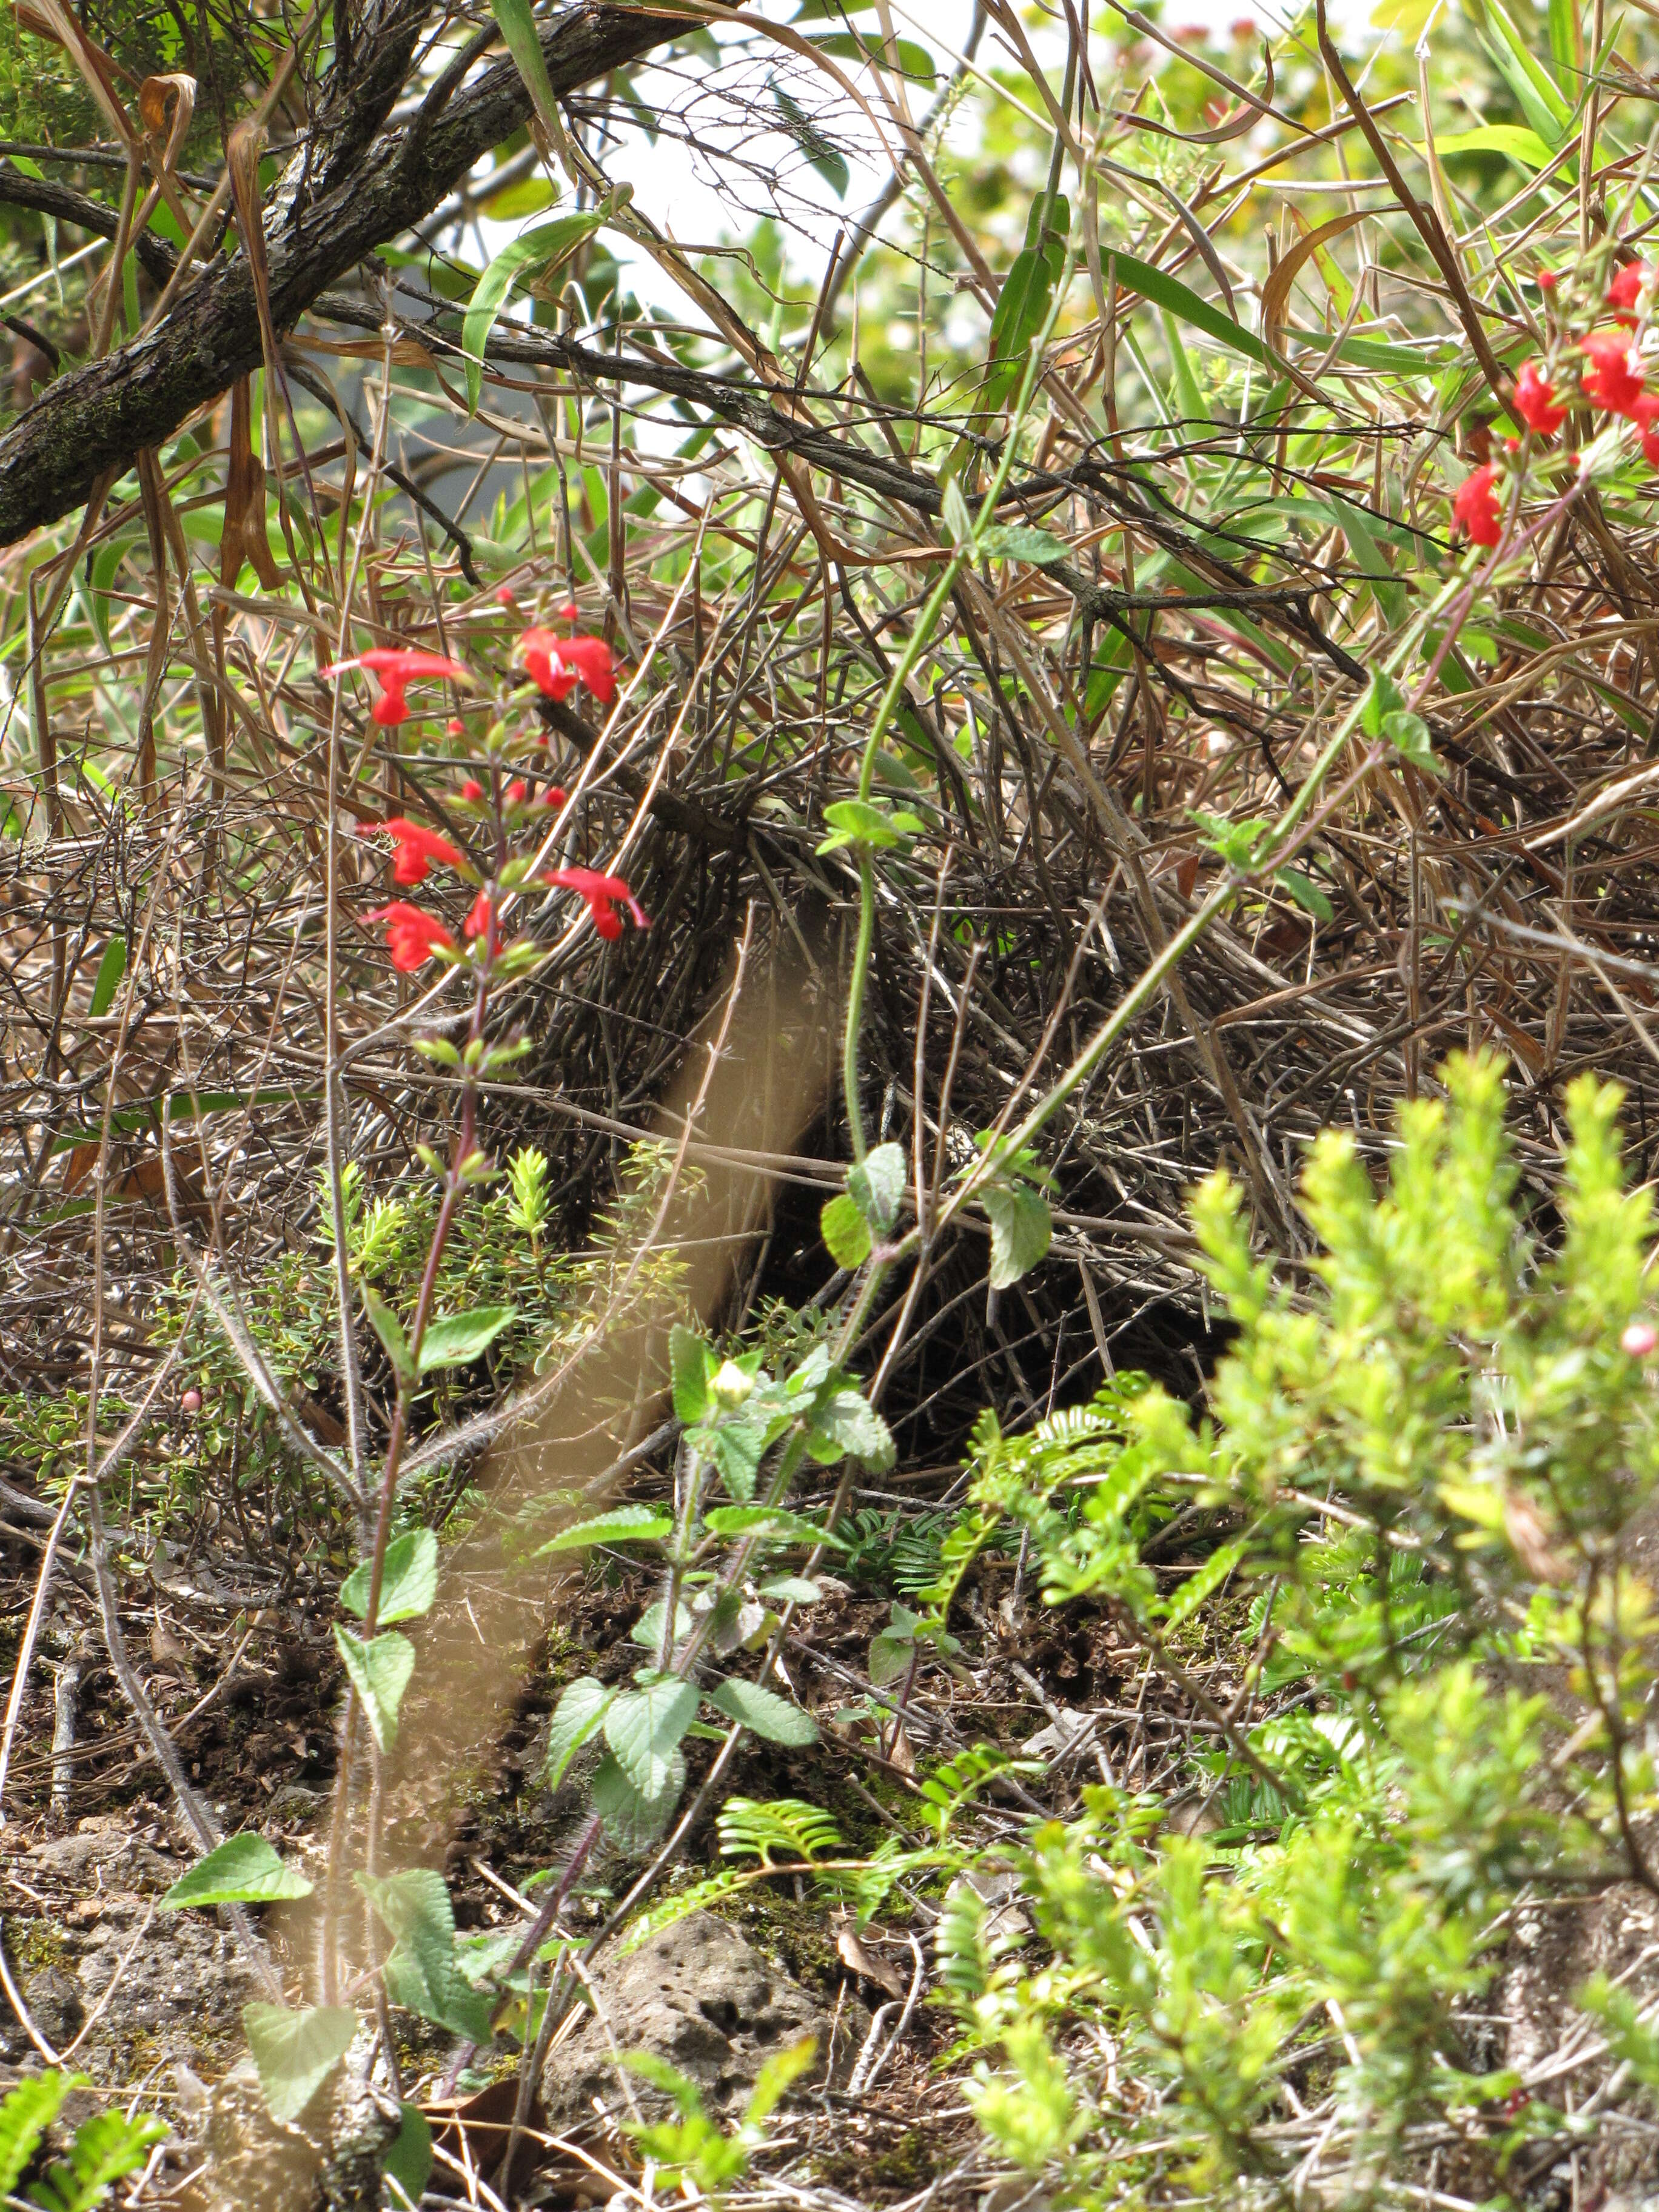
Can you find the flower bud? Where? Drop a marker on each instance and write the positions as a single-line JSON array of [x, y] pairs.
[[1639, 1340], [189, 1401], [730, 1387]]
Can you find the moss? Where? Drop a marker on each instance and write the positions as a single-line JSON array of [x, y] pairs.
[[795, 1936], [905, 2166], [35, 1944]]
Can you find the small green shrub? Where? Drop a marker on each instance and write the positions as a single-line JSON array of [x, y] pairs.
[[1426, 1445]]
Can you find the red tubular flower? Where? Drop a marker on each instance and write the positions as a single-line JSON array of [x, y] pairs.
[[504, 596], [472, 790], [1546, 280], [1536, 402], [455, 726], [557, 664], [600, 891], [593, 661], [397, 666], [1646, 413], [554, 797], [1614, 377], [1626, 289], [417, 847], [413, 936], [479, 919], [517, 791], [1476, 508]]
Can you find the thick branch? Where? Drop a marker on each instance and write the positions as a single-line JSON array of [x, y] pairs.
[[98, 417]]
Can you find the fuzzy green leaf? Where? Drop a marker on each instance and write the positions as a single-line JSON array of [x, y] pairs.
[[776, 1719], [457, 1340], [242, 1870], [579, 1712], [378, 1670], [297, 2052], [409, 1581], [623, 1524], [845, 1230], [643, 1728]]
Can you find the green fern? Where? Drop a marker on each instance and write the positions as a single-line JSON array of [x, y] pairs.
[[787, 1827], [26, 2114], [105, 2147]]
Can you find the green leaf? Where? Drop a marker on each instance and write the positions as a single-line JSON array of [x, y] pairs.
[[782, 2069], [861, 822], [825, 158], [1022, 306], [736, 1449], [914, 61], [692, 1363], [457, 1340], [772, 1521], [421, 1973], [1524, 147], [542, 248], [407, 2164], [877, 1187], [578, 1714], [623, 1524], [953, 513], [846, 1424], [29, 2109], [409, 1581], [845, 1230], [1306, 893], [1409, 733], [643, 1728], [778, 1720], [378, 1671], [1021, 1228], [790, 1590], [890, 1654], [297, 2052], [108, 981], [1170, 292], [647, 1631], [390, 1330], [242, 1870], [1017, 541], [1383, 696], [632, 1821]]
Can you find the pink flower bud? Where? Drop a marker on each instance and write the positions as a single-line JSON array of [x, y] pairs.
[[1639, 1340], [189, 1401]]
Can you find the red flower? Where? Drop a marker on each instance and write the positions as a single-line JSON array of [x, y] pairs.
[[472, 790], [600, 891], [1476, 507], [1647, 416], [571, 611], [504, 596], [482, 915], [1613, 379], [1626, 288], [417, 847], [557, 664], [413, 936], [455, 726], [396, 666], [1546, 280], [517, 791], [1536, 402], [553, 797]]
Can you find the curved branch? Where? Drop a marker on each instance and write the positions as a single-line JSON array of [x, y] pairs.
[[97, 418]]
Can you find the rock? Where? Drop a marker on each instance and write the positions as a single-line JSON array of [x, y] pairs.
[[251, 2163], [54, 2005], [709, 2004], [97, 1851]]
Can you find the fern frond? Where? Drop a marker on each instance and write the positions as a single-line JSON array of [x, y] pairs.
[[784, 1827], [26, 2114]]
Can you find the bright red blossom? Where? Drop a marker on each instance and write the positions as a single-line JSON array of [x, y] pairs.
[[1613, 379], [398, 666], [517, 791], [1536, 402], [1626, 289], [417, 847], [482, 915], [412, 936], [558, 664], [600, 892], [472, 789], [504, 596], [1476, 508], [554, 796]]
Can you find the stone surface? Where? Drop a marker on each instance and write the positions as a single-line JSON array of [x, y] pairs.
[[707, 2000]]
